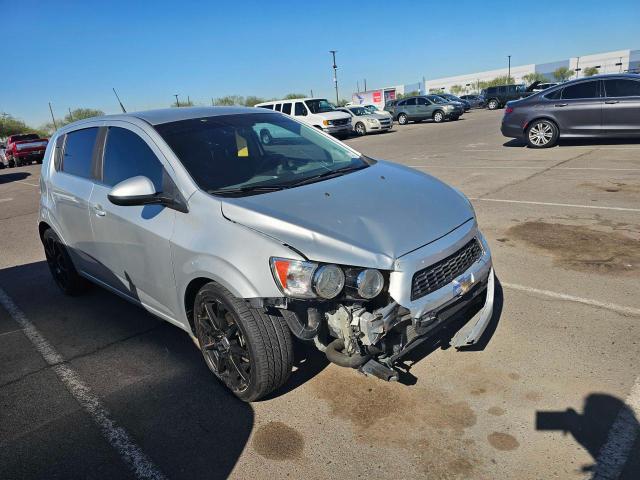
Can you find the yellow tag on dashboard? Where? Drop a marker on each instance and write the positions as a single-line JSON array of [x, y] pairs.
[[241, 143]]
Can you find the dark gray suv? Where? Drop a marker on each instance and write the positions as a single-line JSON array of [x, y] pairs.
[[426, 107], [598, 106]]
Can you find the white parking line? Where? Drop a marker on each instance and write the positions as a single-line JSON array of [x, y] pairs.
[[527, 168], [621, 438], [549, 204], [5, 199], [117, 437], [27, 183], [571, 298]]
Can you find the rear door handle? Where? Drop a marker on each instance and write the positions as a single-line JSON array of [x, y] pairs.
[[561, 104], [611, 102], [97, 209]]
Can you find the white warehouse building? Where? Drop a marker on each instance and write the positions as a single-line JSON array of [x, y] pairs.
[[610, 62]]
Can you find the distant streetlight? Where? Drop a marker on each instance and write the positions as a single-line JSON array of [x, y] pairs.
[[335, 73], [509, 69], [177, 102]]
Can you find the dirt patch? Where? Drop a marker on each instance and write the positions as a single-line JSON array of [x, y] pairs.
[[428, 424], [503, 441], [278, 441], [497, 411], [533, 396], [613, 187], [514, 376], [582, 248]]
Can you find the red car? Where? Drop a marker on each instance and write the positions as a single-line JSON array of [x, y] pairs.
[[24, 149]]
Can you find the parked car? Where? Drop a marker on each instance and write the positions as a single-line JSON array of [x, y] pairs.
[[390, 106], [598, 106], [244, 245], [375, 110], [453, 99], [3, 158], [363, 121], [317, 112], [497, 97], [476, 101], [417, 109], [24, 149]]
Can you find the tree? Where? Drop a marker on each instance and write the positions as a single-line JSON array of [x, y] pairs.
[[10, 125], [252, 100], [230, 100], [534, 77], [562, 74], [412, 93], [590, 71], [456, 89], [292, 96], [342, 102], [81, 114], [501, 80]]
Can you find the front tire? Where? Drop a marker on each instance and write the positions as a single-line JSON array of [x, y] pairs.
[[249, 350], [62, 269], [438, 116], [493, 104], [542, 134], [360, 129], [403, 119]]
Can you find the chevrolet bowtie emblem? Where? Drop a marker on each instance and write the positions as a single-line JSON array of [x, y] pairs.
[[462, 284]]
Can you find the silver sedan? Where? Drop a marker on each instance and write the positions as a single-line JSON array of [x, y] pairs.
[[363, 121]]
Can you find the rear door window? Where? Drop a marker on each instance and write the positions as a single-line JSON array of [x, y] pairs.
[[78, 152], [268, 107], [278, 107], [581, 90], [300, 109], [127, 155], [411, 101], [622, 88], [286, 108], [422, 101]]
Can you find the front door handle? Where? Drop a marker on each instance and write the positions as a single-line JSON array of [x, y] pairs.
[[97, 209], [611, 102], [561, 104]]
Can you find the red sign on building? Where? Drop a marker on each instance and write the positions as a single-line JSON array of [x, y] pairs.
[[377, 96]]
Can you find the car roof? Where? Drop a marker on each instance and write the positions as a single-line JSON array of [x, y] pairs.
[[167, 115], [290, 100]]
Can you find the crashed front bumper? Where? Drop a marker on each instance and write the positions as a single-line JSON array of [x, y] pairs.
[[430, 309]]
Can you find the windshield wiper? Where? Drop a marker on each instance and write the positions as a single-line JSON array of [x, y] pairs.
[[248, 189], [328, 174]]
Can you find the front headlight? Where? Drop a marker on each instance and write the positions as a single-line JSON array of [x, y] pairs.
[[328, 281], [294, 277], [372, 120], [370, 283], [448, 107]]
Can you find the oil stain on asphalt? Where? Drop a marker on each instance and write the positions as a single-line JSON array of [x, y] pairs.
[[503, 441], [582, 248], [428, 424], [278, 441]]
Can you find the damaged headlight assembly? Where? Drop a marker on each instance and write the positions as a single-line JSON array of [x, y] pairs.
[[311, 280]]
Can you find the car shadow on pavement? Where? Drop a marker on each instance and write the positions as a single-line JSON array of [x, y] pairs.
[[579, 142], [147, 373], [13, 177], [446, 335], [605, 420]]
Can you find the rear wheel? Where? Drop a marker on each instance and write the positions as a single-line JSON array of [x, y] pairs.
[[493, 104], [62, 269], [360, 129], [248, 350], [403, 119], [438, 116], [542, 134]]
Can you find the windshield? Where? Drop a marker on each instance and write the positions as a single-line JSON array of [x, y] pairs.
[[27, 136], [371, 108], [359, 111], [436, 99], [251, 153], [319, 106]]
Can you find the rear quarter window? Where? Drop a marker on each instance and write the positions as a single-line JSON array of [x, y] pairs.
[[78, 152]]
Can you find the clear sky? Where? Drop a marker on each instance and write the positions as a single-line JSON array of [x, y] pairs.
[[73, 53]]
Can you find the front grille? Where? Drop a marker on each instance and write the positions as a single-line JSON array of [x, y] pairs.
[[341, 121], [445, 271]]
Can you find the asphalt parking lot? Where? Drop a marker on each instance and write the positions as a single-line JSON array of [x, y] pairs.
[[553, 391]]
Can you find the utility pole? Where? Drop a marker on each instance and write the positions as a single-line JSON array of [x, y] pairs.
[[121, 106], [55, 125], [212, 102], [177, 102], [578, 67], [312, 93], [509, 71], [70, 115], [335, 74], [188, 101], [365, 84], [358, 86]]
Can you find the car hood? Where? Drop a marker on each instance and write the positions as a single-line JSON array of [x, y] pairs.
[[365, 218], [333, 115]]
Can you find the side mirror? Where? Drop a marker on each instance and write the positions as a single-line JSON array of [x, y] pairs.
[[141, 191]]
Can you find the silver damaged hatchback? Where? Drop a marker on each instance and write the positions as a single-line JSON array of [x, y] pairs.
[[246, 228]]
